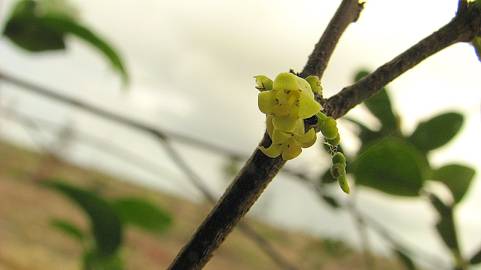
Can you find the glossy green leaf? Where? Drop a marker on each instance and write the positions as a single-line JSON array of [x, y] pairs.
[[445, 226], [436, 131], [456, 177], [105, 223], [476, 258], [23, 29], [68, 229], [380, 106], [391, 165], [405, 260], [67, 25], [143, 214]]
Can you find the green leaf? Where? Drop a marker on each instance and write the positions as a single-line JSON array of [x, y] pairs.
[[456, 177], [476, 258], [391, 165], [67, 25], [437, 131], [105, 223], [143, 214], [445, 226], [405, 260], [93, 260], [24, 30], [380, 106], [440, 207], [38, 28], [68, 228]]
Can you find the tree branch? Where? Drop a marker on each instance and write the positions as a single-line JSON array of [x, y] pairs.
[[463, 28], [259, 169], [195, 179]]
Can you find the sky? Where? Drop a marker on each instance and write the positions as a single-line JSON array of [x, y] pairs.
[[191, 65]]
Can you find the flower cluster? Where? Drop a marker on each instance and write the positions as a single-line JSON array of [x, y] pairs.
[[287, 101]]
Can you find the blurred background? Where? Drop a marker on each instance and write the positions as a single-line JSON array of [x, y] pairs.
[[186, 69]]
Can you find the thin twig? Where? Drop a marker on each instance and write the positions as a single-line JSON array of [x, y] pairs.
[[129, 122], [463, 28], [106, 146], [56, 95]]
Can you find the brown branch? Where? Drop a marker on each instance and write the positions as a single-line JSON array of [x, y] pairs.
[[234, 204], [259, 170], [262, 243], [463, 28], [347, 13]]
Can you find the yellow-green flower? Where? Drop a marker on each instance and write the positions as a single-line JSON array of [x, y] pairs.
[[288, 144], [290, 99]]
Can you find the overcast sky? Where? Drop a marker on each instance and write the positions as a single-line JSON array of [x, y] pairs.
[[192, 62]]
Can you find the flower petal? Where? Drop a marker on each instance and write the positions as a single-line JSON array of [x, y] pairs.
[[328, 128], [286, 81], [272, 151], [269, 125], [279, 136], [315, 84], [307, 139], [305, 87], [292, 150], [284, 123], [266, 101], [308, 107], [299, 129]]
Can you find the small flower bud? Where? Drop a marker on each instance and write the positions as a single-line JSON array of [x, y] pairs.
[[315, 84], [263, 83]]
